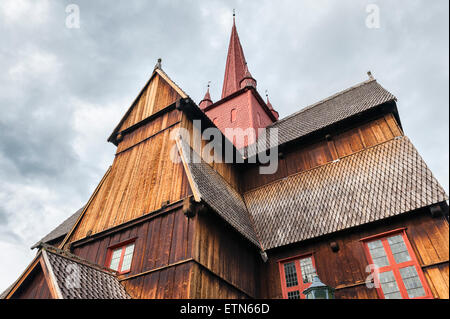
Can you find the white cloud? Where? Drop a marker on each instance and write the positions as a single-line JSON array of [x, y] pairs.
[[26, 12]]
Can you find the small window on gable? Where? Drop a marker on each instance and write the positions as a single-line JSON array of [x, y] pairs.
[[120, 257], [233, 115], [399, 274], [296, 276]]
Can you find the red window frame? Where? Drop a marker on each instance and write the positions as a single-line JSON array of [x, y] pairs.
[[301, 286], [393, 266], [122, 245]]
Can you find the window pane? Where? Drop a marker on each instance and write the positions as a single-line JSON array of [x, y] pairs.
[[378, 253], [399, 249], [412, 282], [290, 274], [127, 258], [389, 285], [294, 295], [307, 268], [115, 259]]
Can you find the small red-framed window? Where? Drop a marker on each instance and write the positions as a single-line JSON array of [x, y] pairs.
[[399, 275], [120, 256], [296, 275]]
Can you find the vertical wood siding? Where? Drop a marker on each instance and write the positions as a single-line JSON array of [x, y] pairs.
[[345, 269], [157, 95], [35, 286], [141, 180]]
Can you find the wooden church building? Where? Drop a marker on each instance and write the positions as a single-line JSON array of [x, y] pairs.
[[350, 191]]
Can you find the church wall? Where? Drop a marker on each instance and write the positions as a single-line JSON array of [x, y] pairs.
[[345, 270], [226, 263]]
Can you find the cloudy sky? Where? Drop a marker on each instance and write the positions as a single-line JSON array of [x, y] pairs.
[[63, 90]]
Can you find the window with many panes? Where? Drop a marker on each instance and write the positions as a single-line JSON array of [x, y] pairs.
[[399, 275], [296, 275], [120, 257]]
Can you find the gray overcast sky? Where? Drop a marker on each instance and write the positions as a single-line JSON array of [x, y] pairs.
[[62, 91]]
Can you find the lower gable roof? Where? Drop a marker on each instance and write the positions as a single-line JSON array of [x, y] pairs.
[[377, 183], [71, 277]]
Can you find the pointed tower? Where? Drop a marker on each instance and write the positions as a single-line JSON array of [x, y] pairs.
[[206, 100], [241, 106], [235, 67]]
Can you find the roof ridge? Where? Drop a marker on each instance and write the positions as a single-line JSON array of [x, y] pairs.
[[306, 108], [68, 255]]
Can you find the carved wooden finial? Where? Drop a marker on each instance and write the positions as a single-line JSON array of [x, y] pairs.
[[158, 64]]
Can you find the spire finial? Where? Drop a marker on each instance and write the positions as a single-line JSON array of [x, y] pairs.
[[158, 64], [369, 73], [234, 16]]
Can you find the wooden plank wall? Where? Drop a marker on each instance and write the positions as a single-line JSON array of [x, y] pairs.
[[34, 287], [345, 270], [156, 96], [205, 285], [160, 243], [168, 283], [306, 157], [230, 259], [141, 180]]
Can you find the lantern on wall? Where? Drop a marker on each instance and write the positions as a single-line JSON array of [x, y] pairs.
[[318, 290]]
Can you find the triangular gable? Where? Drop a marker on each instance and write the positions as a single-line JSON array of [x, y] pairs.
[[36, 282], [159, 92]]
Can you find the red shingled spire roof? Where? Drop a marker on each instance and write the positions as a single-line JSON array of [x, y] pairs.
[[235, 67], [206, 100]]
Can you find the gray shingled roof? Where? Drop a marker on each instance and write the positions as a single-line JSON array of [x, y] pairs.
[[61, 230], [220, 195], [94, 281], [380, 182], [334, 109]]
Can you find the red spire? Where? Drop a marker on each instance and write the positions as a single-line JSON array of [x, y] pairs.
[[235, 68], [206, 100]]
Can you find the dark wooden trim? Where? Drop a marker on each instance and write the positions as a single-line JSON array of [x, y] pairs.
[[161, 211], [356, 284], [148, 119], [157, 269], [149, 137], [435, 264]]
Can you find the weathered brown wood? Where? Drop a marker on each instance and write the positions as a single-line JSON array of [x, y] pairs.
[[346, 268]]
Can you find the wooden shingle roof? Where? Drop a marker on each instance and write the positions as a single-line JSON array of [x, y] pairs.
[[377, 183], [94, 282], [338, 107], [217, 193]]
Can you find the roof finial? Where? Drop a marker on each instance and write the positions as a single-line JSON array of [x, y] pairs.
[[370, 75], [234, 15], [158, 64]]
